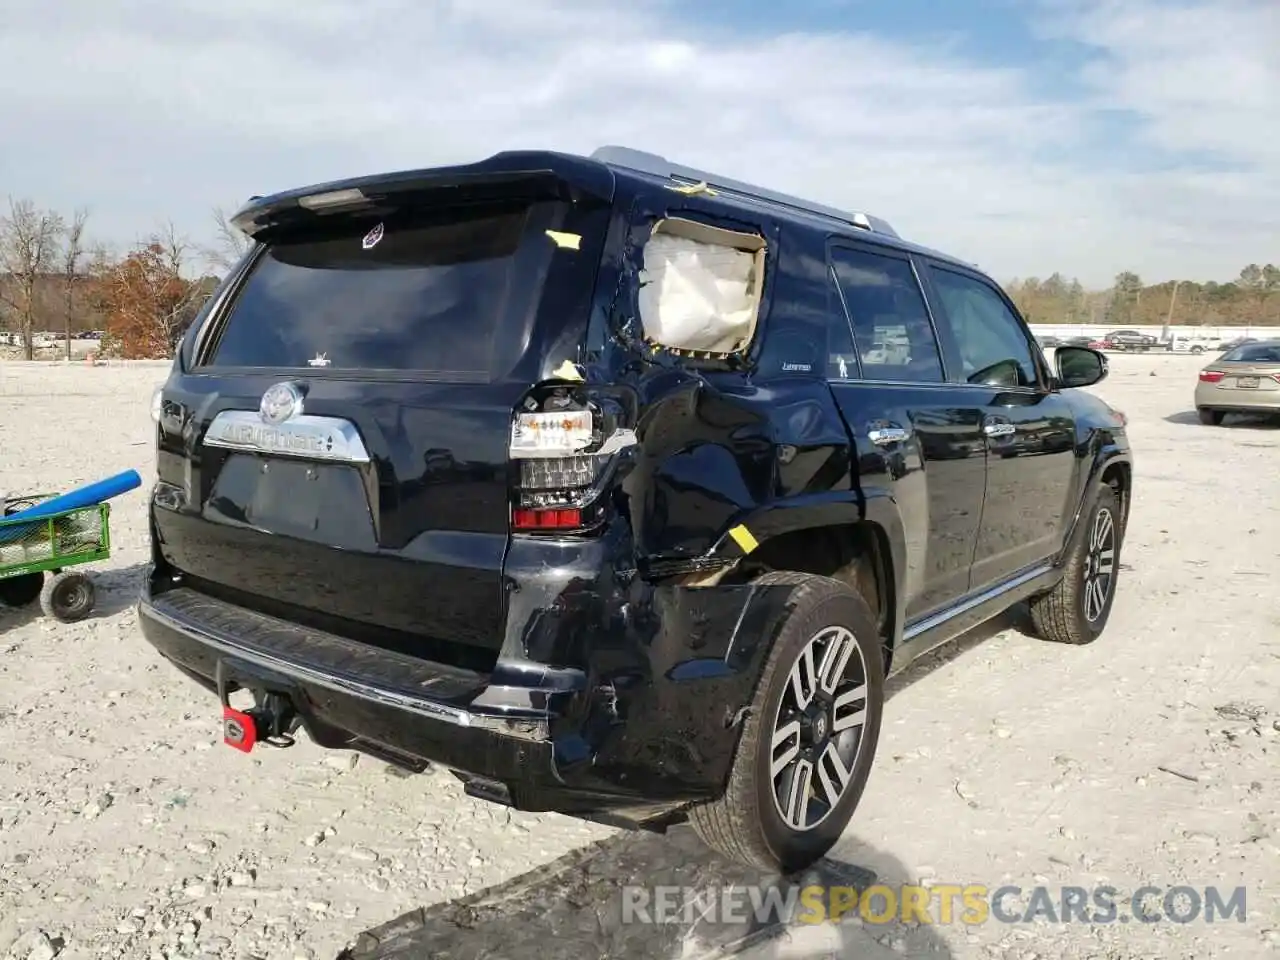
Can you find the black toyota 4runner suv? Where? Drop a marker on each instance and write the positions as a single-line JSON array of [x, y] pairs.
[[615, 487]]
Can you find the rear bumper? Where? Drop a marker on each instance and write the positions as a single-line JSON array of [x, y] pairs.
[[1210, 396], [650, 726]]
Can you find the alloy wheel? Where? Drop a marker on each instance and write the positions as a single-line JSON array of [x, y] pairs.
[[1099, 566], [817, 731]]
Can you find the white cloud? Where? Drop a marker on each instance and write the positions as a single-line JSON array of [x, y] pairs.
[[151, 109]]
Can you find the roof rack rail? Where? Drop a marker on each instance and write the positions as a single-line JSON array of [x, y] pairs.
[[652, 163]]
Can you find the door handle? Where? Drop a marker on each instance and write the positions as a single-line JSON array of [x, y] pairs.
[[883, 436], [998, 428]]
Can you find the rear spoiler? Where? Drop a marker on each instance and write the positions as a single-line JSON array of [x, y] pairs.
[[539, 173]]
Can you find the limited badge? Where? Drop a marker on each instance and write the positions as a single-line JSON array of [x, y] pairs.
[[373, 237]]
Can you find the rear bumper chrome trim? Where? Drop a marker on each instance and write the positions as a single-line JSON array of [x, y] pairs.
[[521, 728]]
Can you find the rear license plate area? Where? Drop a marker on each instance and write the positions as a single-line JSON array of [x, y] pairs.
[[1247, 383], [321, 502], [287, 497]]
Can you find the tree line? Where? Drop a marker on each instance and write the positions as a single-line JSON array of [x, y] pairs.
[[1251, 299], [53, 277]]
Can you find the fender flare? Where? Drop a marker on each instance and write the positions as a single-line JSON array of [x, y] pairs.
[[872, 505], [1107, 455]]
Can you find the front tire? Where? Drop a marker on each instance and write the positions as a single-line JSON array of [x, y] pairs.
[[810, 736], [1076, 610]]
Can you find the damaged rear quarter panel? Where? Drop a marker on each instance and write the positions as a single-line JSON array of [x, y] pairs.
[[670, 668], [724, 439]]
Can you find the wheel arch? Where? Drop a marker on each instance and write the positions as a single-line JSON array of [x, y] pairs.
[[1113, 467], [856, 539]]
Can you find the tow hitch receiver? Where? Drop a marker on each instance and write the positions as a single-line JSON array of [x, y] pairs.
[[270, 721]]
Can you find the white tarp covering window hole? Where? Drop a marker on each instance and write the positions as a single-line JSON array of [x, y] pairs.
[[700, 287]]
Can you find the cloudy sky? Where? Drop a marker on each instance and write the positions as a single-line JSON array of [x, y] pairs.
[[1030, 136]]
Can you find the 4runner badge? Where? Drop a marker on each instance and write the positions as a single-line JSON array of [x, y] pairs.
[[280, 403], [372, 237]]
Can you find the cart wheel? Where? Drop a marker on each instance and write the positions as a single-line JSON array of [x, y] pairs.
[[22, 590], [67, 597]]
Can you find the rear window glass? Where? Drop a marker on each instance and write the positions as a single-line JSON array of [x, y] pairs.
[[423, 289], [1254, 353]]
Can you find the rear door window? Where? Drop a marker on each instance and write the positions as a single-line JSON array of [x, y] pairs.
[[424, 289], [892, 331]]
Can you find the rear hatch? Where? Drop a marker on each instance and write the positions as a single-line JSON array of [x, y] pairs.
[[406, 331]]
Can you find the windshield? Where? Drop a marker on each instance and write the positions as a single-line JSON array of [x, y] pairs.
[[425, 288], [1253, 353]]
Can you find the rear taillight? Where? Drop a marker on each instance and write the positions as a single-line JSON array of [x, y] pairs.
[[546, 519], [565, 450], [1211, 376]]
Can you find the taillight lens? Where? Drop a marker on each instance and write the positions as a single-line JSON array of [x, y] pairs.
[[553, 433], [564, 458], [1211, 376], [523, 519]]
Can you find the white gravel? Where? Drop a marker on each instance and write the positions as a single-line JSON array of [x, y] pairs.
[[1151, 757]]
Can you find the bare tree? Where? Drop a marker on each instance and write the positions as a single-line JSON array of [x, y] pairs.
[[72, 253], [176, 251], [229, 243], [28, 251]]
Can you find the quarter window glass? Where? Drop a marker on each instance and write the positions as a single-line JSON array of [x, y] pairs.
[[842, 360], [891, 329], [992, 343]]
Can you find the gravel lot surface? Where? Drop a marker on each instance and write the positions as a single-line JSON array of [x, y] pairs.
[[1149, 758]]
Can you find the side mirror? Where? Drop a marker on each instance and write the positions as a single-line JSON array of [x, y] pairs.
[[1080, 366]]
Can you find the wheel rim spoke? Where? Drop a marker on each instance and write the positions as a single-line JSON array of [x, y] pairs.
[[798, 787], [845, 718], [1101, 529], [804, 678], [1106, 561], [786, 738], [833, 775], [836, 659]]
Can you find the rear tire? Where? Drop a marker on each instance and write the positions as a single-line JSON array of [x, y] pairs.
[[21, 590], [1210, 418], [819, 699], [68, 597], [1076, 610]]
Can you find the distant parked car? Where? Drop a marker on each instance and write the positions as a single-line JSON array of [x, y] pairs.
[[1047, 343], [1236, 342], [1245, 379], [1130, 340]]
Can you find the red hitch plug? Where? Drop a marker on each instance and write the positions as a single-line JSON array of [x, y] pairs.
[[238, 729]]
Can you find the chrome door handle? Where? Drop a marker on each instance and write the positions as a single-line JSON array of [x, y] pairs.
[[997, 428], [883, 436]]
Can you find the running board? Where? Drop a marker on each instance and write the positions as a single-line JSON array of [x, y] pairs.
[[973, 602]]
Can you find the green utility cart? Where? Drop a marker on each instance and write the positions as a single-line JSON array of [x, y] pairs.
[[32, 549]]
